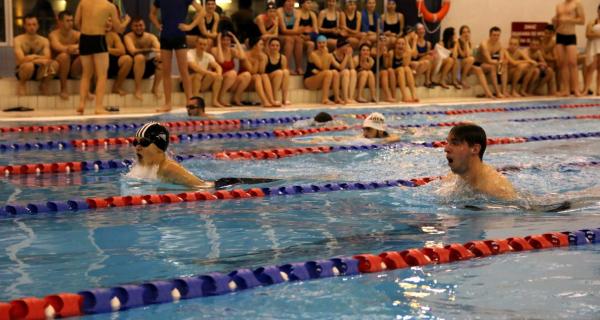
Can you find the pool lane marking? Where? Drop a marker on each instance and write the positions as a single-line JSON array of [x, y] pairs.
[[129, 296], [254, 122]]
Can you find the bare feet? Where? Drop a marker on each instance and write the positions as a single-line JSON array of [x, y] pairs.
[[79, 110], [157, 94], [64, 95], [391, 100], [216, 104], [361, 100], [120, 92], [516, 94], [224, 104], [457, 85], [415, 99], [164, 109], [443, 85], [287, 102], [499, 95], [465, 86], [138, 95], [327, 101], [562, 94], [407, 99], [100, 111], [90, 96], [339, 101], [350, 101]]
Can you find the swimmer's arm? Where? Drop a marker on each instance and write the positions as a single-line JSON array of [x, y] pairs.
[[501, 189], [175, 173], [153, 16]]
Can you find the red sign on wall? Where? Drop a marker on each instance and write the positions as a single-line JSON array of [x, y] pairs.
[[525, 31]]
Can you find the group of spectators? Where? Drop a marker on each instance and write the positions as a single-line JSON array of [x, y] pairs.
[[342, 52]]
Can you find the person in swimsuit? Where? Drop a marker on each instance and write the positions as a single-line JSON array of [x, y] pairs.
[[64, 42], [151, 143], [209, 23], [467, 61], [541, 71], [592, 54], [464, 150], [268, 22], [290, 35], [422, 58], [329, 23], [277, 70], [450, 43], [144, 47], [342, 61], [568, 14], [91, 18], [393, 23], [370, 20], [226, 55], [318, 75], [387, 76], [256, 63], [119, 62], [350, 23], [206, 73], [490, 58], [32, 53], [400, 58], [172, 38], [308, 27], [519, 68], [364, 66]]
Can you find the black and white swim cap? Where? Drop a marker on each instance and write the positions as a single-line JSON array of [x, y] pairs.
[[155, 132]]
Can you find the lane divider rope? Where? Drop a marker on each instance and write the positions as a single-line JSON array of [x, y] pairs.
[[249, 122], [265, 154], [129, 296]]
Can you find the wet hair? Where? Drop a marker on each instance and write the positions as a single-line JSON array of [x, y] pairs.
[[550, 27], [472, 134], [323, 117], [448, 38], [494, 29], [63, 14]]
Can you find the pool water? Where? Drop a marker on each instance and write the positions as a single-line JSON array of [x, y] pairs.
[[70, 252]]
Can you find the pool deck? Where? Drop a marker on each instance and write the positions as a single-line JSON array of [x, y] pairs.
[[142, 112]]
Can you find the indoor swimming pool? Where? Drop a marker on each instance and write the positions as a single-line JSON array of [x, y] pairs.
[[551, 155]]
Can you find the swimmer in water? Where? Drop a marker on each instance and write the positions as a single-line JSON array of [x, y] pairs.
[[464, 152], [374, 129], [322, 119], [151, 142]]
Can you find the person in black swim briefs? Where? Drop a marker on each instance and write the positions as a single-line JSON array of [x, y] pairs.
[[151, 142], [91, 18], [569, 13]]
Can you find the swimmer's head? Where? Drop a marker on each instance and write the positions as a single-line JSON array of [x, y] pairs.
[[466, 143], [152, 133], [196, 108], [323, 117], [374, 126]]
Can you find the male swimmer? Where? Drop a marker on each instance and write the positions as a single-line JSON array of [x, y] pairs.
[[374, 129], [464, 152], [151, 142]]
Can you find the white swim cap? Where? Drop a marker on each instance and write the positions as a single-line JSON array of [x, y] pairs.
[[376, 121]]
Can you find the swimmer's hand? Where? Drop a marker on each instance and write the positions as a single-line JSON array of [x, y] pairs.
[[184, 27]]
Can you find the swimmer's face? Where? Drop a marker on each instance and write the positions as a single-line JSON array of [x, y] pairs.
[[138, 28], [211, 6], [274, 46], [459, 154], [495, 36], [67, 22], [31, 25], [147, 153], [420, 30], [351, 6], [370, 133], [201, 44], [371, 4], [513, 44]]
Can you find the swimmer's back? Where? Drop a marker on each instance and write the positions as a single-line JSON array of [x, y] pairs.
[[94, 14]]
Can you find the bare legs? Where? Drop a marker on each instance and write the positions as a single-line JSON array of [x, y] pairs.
[[364, 77], [125, 62], [93, 64], [167, 57], [567, 57], [321, 80]]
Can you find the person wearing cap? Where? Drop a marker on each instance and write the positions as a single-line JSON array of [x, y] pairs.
[[318, 74], [268, 22], [197, 107], [342, 61], [151, 142], [465, 148], [374, 127]]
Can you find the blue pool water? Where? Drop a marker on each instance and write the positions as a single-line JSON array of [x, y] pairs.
[[76, 251]]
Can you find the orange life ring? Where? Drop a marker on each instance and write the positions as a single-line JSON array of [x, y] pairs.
[[433, 17]]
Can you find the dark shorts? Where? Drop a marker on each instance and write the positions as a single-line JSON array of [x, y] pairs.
[[92, 44], [566, 39], [173, 43], [149, 70], [36, 69]]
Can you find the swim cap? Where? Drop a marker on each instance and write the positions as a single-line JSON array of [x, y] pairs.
[[323, 117], [376, 121], [321, 38], [155, 132]]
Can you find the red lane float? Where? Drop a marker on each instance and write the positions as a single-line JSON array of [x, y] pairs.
[[65, 304]]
